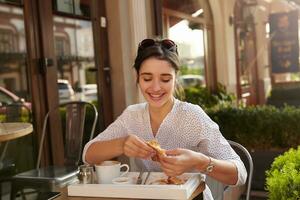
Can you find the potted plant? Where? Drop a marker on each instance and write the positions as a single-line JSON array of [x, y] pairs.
[[283, 179]]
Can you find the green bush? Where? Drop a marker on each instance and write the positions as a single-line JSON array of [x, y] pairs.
[[288, 94], [283, 179], [260, 127], [206, 99]]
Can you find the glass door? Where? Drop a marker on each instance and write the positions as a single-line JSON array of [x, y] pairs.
[[74, 52], [75, 59], [51, 51], [15, 93]]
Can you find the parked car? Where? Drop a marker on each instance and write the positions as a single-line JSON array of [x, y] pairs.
[[7, 98], [65, 90], [191, 80], [87, 92]]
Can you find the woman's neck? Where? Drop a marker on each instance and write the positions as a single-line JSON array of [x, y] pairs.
[[158, 114]]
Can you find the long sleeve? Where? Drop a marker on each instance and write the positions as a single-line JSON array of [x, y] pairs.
[[115, 130]]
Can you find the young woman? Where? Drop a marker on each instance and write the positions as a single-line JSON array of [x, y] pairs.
[[192, 140]]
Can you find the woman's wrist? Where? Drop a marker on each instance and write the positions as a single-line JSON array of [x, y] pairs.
[[203, 163], [121, 142]]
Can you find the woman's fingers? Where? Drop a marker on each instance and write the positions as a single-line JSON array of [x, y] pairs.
[[135, 151], [169, 172], [135, 147], [173, 152], [176, 162], [168, 161], [142, 144], [172, 171]]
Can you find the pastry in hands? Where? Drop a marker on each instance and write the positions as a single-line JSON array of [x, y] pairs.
[[159, 151], [171, 180]]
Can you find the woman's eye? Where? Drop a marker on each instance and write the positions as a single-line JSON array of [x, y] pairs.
[[147, 79], [166, 80]]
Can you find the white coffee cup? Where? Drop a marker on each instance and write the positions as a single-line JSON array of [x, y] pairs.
[[108, 170]]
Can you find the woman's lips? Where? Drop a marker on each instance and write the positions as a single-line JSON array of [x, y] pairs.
[[155, 97]]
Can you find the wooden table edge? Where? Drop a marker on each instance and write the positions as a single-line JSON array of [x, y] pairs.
[[16, 134]]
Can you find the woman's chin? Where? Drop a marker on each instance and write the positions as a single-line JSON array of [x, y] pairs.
[[156, 103]]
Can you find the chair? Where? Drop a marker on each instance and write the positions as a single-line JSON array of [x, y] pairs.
[[246, 158], [14, 112], [48, 178]]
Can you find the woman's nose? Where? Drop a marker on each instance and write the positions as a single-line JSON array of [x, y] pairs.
[[156, 85]]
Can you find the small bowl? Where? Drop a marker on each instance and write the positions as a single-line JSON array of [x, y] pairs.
[[122, 180]]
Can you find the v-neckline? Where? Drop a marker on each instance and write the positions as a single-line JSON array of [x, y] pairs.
[[162, 123]]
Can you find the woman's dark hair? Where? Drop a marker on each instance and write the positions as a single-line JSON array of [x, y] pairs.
[[161, 49]]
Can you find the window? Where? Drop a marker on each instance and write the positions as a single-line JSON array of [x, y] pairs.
[[72, 7], [185, 24], [6, 41]]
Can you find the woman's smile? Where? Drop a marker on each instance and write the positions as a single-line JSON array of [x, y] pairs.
[[156, 96]]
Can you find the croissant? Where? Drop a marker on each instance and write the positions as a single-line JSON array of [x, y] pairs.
[[159, 151]]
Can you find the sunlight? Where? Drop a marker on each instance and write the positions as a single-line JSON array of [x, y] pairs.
[[190, 41]]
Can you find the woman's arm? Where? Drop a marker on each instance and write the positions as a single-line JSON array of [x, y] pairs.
[[131, 146], [104, 150]]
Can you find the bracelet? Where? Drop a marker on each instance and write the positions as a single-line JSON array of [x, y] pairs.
[[209, 168]]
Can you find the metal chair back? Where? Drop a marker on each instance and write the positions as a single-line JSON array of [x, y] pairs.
[[74, 124], [245, 156]]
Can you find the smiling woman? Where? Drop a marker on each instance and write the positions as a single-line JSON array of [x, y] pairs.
[[192, 141]]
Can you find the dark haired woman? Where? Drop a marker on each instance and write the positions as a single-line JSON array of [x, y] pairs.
[[192, 140]]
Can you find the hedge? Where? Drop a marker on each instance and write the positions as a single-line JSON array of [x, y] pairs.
[[284, 96], [260, 127], [207, 99]]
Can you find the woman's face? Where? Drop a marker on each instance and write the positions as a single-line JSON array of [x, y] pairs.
[[157, 81]]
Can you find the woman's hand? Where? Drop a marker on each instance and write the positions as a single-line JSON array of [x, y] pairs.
[[136, 147], [179, 161]]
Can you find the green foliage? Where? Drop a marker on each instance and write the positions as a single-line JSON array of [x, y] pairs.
[[287, 94], [283, 179], [206, 99], [260, 127], [23, 116], [184, 70]]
